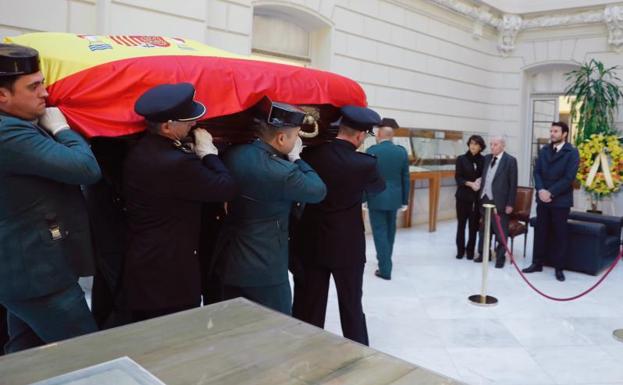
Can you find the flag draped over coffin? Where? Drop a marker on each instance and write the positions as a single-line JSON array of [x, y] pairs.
[[95, 80]]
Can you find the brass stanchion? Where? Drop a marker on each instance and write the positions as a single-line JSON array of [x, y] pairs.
[[483, 299], [618, 335]]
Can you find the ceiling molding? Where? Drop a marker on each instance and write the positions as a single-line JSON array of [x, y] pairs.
[[510, 25]]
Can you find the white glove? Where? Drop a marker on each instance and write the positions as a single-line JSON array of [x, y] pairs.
[[53, 121], [403, 208], [203, 143], [295, 154]]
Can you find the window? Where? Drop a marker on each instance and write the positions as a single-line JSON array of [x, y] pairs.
[[546, 110], [296, 34], [274, 37]]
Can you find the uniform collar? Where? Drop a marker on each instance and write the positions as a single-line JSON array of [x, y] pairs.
[[2, 113], [345, 143], [35, 123], [259, 143]]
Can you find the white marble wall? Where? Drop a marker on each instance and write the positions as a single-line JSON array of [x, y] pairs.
[[418, 63]]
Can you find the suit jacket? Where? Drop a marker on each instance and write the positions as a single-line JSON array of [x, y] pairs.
[[164, 189], [393, 166], [468, 169], [44, 229], [556, 173], [331, 232], [504, 182], [253, 246]]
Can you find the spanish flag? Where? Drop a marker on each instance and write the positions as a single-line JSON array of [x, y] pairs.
[[96, 79]]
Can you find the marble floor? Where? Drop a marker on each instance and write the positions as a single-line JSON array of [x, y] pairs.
[[423, 316]]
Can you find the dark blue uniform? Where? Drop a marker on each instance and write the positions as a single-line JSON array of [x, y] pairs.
[[330, 237], [164, 189]]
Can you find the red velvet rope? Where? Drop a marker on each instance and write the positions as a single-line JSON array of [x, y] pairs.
[[585, 292]]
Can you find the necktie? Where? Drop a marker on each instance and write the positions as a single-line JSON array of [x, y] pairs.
[[495, 158]]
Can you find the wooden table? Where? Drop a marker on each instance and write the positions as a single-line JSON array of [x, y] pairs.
[[434, 178], [233, 342]]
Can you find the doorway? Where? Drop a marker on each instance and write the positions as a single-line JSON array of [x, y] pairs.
[[546, 109]]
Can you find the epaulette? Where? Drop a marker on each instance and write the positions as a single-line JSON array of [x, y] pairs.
[[280, 160], [182, 147], [366, 154]]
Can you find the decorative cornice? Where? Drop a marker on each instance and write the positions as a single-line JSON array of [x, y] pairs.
[[479, 14], [509, 26], [549, 21], [508, 29], [613, 16]]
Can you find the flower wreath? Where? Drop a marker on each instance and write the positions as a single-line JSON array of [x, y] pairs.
[[601, 164]]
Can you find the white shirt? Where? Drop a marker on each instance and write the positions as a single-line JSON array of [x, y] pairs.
[[559, 146]]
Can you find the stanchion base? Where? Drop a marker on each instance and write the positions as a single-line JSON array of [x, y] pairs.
[[479, 300], [618, 335]]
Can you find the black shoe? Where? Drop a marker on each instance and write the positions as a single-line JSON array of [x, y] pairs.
[[378, 274], [478, 259], [459, 256], [560, 275], [499, 263], [469, 256], [533, 268]]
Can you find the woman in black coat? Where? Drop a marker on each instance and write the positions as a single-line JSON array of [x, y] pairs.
[[468, 176]]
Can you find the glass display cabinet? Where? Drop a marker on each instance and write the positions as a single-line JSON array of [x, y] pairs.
[[432, 156]]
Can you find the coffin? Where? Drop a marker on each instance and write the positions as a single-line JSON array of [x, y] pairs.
[[95, 81]]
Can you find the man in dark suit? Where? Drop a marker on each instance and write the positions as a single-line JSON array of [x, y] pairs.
[[499, 187], [165, 184], [45, 241], [393, 165], [252, 251], [331, 233], [554, 173]]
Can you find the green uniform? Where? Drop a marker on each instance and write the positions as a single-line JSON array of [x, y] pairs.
[[45, 242], [252, 251], [393, 165]]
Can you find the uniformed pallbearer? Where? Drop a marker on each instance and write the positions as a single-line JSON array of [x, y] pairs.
[[44, 229], [331, 232], [165, 184], [252, 251]]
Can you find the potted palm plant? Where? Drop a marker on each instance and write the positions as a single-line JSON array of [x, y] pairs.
[[595, 94]]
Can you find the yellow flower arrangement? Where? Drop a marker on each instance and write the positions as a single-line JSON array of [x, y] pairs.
[[590, 151]]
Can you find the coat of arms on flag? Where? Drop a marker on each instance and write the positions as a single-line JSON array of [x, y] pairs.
[[139, 41], [95, 42]]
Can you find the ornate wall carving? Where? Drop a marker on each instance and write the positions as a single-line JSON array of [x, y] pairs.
[[508, 29], [613, 16], [509, 26]]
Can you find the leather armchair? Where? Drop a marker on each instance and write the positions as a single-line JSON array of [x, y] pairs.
[[595, 241], [518, 221]]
